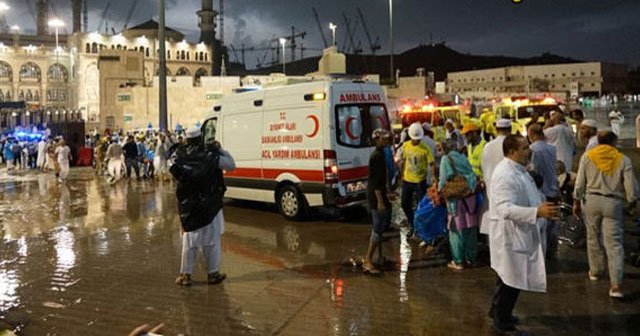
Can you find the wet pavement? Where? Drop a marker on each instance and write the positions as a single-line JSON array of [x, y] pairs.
[[89, 258]]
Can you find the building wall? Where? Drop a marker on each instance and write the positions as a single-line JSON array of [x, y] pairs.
[[590, 77], [186, 104]]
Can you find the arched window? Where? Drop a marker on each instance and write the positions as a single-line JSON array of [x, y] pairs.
[[201, 56], [183, 72], [182, 56], [36, 96], [113, 47], [5, 71], [30, 70], [199, 73], [29, 96], [87, 48], [94, 48], [168, 54], [206, 57], [188, 53], [58, 73], [147, 52], [119, 47]]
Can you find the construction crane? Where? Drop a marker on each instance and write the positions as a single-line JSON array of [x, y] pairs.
[[221, 19], [373, 45], [243, 51], [103, 19], [292, 41], [133, 7], [324, 39], [356, 49], [32, 12]]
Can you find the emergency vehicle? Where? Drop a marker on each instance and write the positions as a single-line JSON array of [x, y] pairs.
[[300, 145], [435, 113], [520, 108]]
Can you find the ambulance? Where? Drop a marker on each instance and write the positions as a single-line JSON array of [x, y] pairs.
[[521, 108], [301, 145]]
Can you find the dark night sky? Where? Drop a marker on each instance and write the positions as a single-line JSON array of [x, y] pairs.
[[607, 30]]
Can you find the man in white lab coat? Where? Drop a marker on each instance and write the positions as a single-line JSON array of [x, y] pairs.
[[516, 214]]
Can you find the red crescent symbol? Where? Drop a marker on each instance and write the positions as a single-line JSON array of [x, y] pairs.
[[348, 129], [316, 127]]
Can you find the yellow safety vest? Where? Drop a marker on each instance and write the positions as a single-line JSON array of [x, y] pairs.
[[439, 134], [475, 157]]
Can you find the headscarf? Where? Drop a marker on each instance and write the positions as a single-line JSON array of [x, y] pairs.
[[606, 158]]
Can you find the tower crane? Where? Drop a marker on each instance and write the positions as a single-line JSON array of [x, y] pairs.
[[131, 9], [356, 49], [292, 41], [373, 45], [103, 18], [324, 39]]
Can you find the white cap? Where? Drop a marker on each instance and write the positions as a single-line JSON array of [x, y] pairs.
[[552, 113], [416, 132], [590, 123], [613, 114], [449, 121], [503, 123], [426, 126], [193, 132]]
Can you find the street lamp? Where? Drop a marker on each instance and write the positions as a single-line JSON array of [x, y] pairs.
[[391, 39], [333, 31], [283, 42], [56, 24], [4, 7]]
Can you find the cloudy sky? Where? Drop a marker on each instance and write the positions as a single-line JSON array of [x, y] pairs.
[[605, 30]]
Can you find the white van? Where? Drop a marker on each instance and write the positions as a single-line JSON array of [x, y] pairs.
[[300, 145]]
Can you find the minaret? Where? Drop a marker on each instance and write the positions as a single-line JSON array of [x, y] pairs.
[[42, 8], [207, 22]]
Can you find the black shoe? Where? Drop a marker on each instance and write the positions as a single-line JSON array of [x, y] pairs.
[[504, 328], [513, 320], [216, 278]]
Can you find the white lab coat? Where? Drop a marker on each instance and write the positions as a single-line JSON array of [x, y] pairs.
[[514, 234], [562, 138], [492, 155]]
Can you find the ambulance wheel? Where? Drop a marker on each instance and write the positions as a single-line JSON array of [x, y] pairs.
[[291, 203]]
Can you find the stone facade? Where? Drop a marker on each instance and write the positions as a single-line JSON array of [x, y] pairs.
[[588, 78]]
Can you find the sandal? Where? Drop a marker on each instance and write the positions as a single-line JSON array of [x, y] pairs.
[[369, 269], [216, 278], [183, 280]]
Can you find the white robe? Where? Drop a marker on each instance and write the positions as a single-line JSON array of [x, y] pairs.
[[562, 138], [491, 156], [514, 234], [41, 154]]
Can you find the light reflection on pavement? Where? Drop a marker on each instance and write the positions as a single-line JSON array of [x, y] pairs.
[[88, 258]]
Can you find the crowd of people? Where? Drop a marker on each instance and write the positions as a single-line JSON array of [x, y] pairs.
[[44, 153], [145, 154], [513, 189]]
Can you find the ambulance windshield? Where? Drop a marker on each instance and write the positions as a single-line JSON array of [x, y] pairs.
[[356, 122]]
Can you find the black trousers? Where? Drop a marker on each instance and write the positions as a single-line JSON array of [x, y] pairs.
[[504, 299]]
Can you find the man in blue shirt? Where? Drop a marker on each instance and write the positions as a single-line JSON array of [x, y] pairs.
[[543, 162]]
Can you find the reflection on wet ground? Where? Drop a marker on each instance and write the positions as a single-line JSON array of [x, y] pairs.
[[88, 258]]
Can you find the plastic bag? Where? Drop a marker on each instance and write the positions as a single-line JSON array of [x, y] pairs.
[[430, 221]]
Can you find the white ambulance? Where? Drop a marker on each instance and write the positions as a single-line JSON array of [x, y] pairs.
[[300, 145]]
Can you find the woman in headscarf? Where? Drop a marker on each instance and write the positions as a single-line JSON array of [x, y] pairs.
[[463, 212]]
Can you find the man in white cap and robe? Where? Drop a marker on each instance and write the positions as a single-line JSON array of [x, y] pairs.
[[200, 191], [561, 136], [491, 157], [589, 133], [616, 118]]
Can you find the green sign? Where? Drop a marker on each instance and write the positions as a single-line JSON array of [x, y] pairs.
[[128, 118], [124, 98], [214, 95]]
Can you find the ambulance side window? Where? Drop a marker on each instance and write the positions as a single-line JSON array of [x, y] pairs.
[[379, 118], [210, 130], [350, 125]]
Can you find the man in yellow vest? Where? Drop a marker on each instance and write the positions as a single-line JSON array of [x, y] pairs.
[[488, 119], [475, 146]]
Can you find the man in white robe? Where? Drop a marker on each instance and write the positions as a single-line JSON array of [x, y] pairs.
[[491, 157], [561, 136], [516, 214]]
